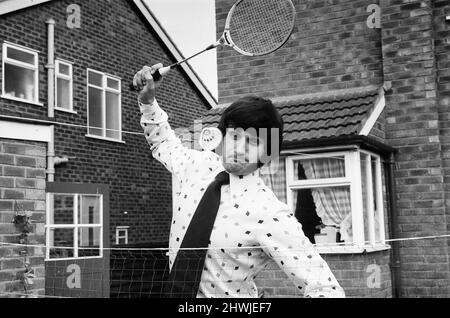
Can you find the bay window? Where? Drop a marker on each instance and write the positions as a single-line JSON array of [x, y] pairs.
[[337, 196]]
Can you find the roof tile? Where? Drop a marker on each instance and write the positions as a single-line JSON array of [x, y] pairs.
[[318, 117]]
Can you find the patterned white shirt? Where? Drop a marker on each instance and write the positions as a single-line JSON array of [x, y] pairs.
[[252, 226]]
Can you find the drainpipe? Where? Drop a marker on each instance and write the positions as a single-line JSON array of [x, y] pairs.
[[393, 217], [51, 96], [51, 67], [51, 156]]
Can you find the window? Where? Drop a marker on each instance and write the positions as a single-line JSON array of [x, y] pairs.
[[63, 86], [372, 198], [20, 73], [104, 106], [74, 226], [336, 196], [122, 234]]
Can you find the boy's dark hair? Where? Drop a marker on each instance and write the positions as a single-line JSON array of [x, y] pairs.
[[253, 112]]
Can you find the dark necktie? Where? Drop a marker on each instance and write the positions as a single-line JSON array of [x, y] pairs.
[[184, 278]]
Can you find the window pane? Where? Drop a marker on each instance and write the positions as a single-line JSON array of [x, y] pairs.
[[365, 195], [89, 211], [61, 243], [20, 55], [95, 79], [112, 83], [112, 115], [19, 82], [376, 190], [367, 162], [63, 94], [88, 241], [64, 69], [325, 211], [320, 168], [63, 209], [95, 111]]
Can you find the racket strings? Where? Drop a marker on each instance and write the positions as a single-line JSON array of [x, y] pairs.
[[261, 26]]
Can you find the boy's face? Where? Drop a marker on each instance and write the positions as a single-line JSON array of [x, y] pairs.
[[241, 150]]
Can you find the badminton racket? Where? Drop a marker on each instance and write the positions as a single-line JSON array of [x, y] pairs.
[[252, 28]]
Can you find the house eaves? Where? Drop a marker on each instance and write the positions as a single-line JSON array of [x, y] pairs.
[[8, 6]]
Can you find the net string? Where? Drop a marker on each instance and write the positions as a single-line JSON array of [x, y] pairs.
[[260, 27], [135, 133], [364, 244]]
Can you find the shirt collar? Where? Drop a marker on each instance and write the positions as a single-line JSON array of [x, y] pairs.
[[241, 184]]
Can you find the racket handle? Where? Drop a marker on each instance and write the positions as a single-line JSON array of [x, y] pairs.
[[156, 76]]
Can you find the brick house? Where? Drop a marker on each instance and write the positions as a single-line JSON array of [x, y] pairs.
[[73, 158], [364, 88]]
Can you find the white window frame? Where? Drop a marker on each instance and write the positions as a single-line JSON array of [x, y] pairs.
[[353, 179], [379, 197], [104, 88], [118, 237], [75, 226], [34, 67], [67, 78]]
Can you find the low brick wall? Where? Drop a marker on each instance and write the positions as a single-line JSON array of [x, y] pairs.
[[355, 273]]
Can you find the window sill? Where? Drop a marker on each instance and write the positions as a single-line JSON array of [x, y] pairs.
[[21, 100], [105, 139], [65, 110], [72, 258], [351, 249]]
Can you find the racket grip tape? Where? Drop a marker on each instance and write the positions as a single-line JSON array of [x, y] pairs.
[[157, 75]]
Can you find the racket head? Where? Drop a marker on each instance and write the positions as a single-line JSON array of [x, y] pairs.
[[259, 27]]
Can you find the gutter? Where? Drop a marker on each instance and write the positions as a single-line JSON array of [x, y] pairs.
[[364, 142]]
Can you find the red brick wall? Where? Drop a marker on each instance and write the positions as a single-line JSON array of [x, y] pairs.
[[331, 48], [113, 39], [353, 272], [441, 9], [22, 189], [412, 35]]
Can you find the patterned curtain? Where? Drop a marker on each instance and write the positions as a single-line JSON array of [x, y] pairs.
[[274, 176], [332, 203]]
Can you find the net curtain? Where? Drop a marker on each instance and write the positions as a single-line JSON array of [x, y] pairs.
[[274, 176], [333, 203]]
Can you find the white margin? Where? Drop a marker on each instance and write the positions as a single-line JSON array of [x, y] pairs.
[[378, 109], [14, 5], [23, 131]]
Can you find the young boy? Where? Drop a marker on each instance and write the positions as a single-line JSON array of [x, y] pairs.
[[252, 227]]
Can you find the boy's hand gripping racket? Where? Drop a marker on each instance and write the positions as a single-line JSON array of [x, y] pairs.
[[252, 28]]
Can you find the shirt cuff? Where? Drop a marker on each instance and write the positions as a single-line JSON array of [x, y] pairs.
[[152, 113], [143, 107]]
